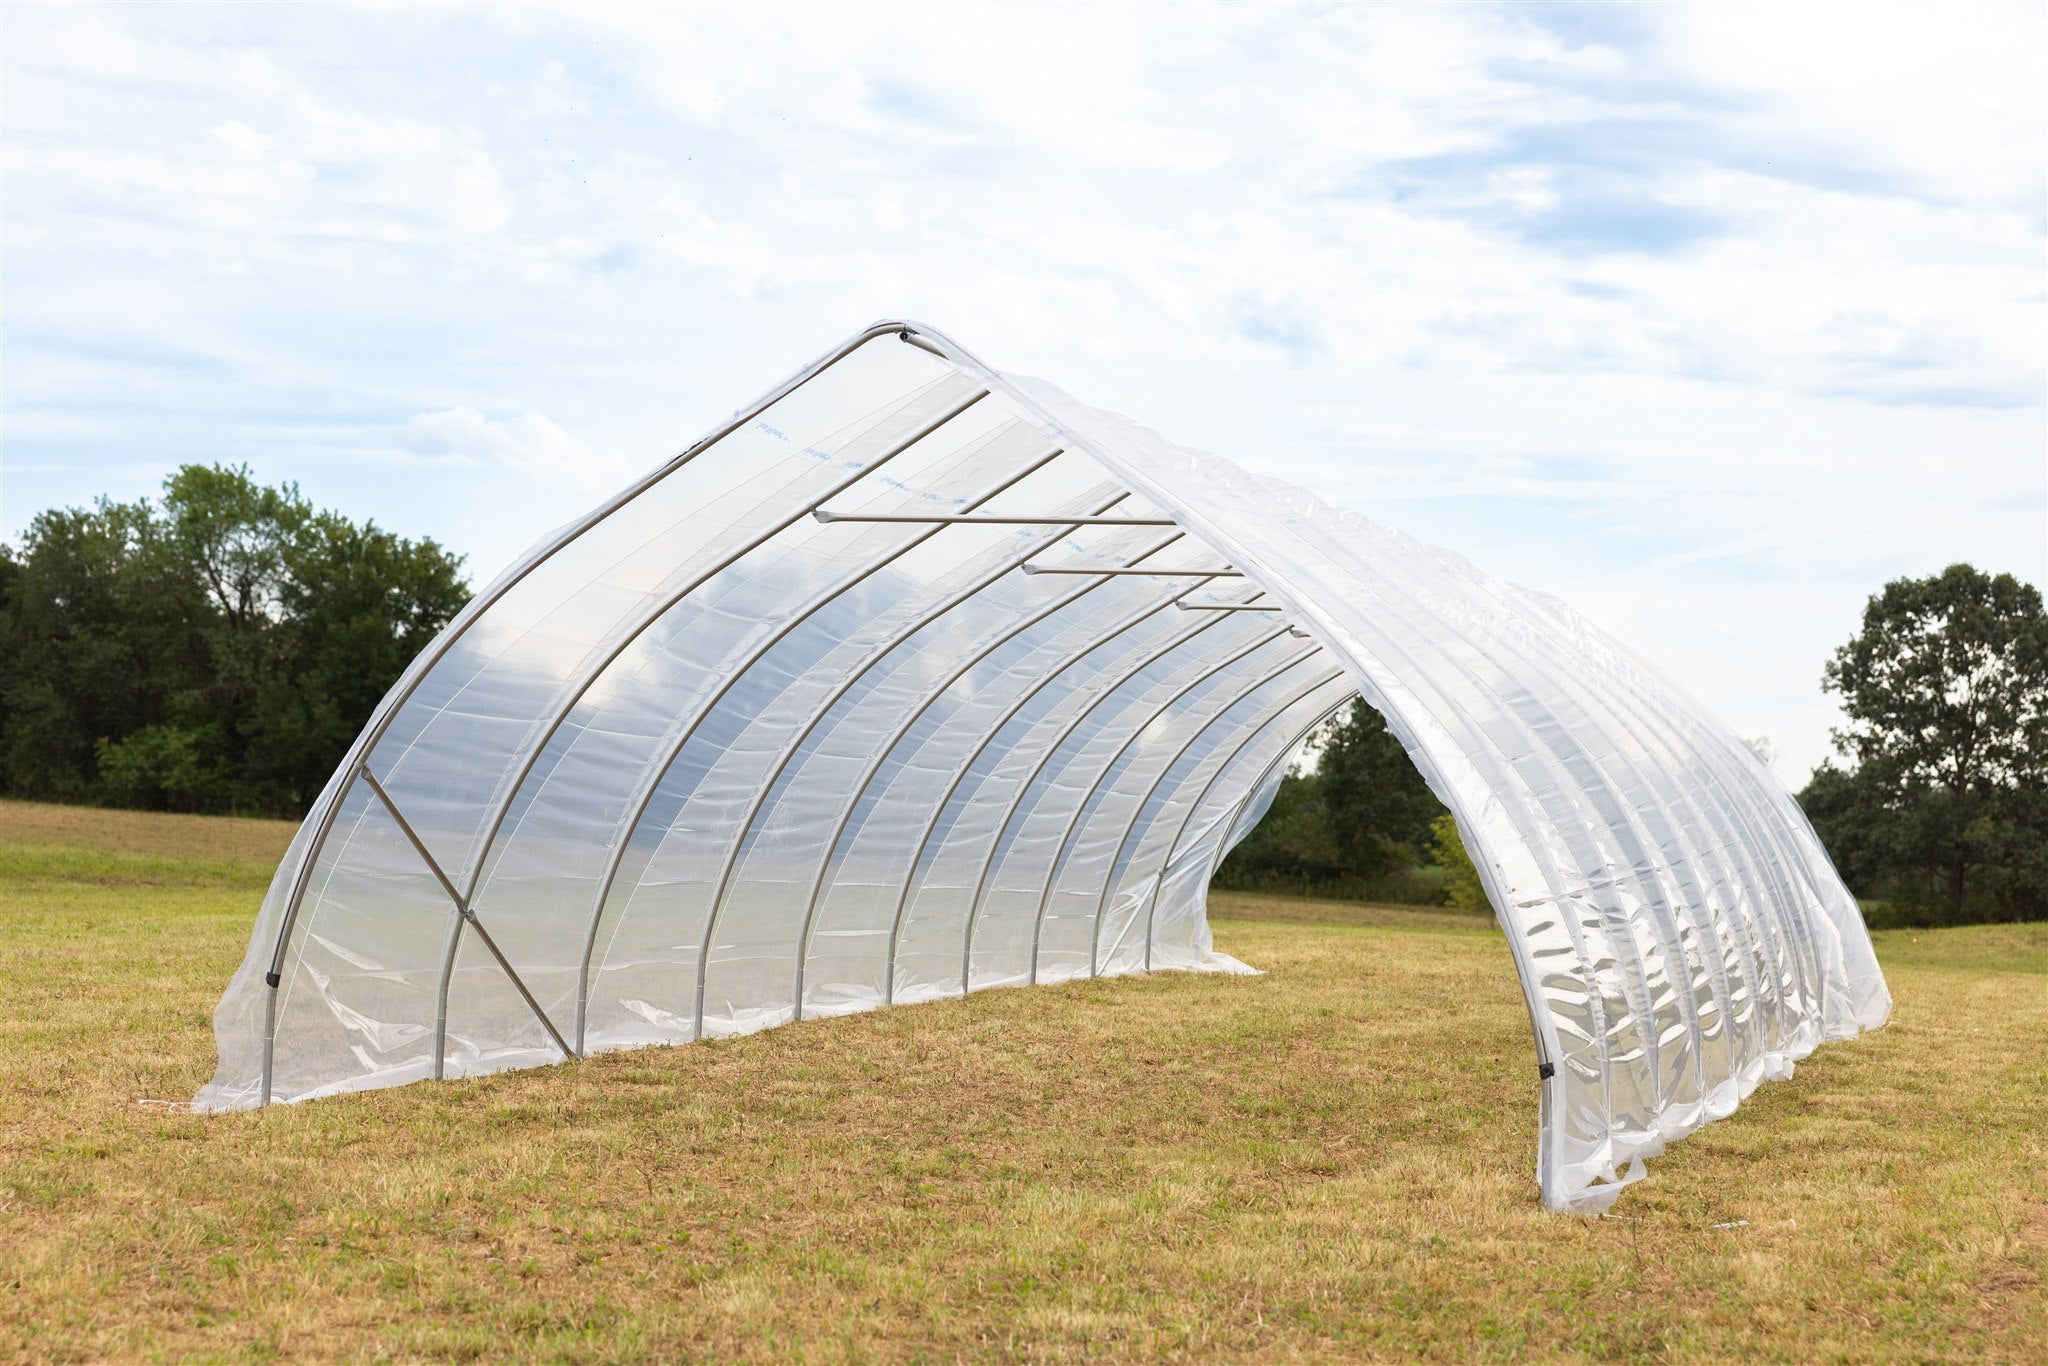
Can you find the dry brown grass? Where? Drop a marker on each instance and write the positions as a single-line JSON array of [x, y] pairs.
[[1327, 1161], [38, 825]]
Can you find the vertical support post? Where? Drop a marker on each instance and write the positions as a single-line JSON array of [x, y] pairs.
[[455, 924], [269, 1037], [274, 978]]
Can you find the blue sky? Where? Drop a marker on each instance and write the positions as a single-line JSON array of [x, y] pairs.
[[1707, 319]]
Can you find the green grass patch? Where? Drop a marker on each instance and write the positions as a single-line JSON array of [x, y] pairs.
[[22, 866], [2020, 948], [1330, 1160]]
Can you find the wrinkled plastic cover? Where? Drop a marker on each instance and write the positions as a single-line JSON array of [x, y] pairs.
[[701, 763]]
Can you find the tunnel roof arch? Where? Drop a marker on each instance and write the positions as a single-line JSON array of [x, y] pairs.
[[916, 678]]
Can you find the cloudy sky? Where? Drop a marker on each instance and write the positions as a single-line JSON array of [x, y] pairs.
[[1709, 320]]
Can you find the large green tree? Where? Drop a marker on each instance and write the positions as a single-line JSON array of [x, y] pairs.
[[1352, 815], [1378, 807], [1945, 795], [216, 652], [99, 641]]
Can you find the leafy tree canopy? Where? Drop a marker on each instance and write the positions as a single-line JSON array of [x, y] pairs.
[[1945, 798], [1357, 820], [1381, 811], [214, 652]]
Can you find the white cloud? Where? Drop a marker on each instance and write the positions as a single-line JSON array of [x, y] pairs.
[[1732, 311], [96, 48], [1947, 98], [528, 445], [289, 165]]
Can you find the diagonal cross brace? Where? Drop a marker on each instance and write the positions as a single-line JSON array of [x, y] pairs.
[[467, 914]]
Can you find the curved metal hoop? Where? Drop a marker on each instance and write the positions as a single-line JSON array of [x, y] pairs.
[[731, 558], [981, 895], [1237, 807], [966, 766], [423, 664], [1254, 729], [831, 845], [656, 773], [1052, 875], [789, 750], [1045, 756], [818, 714]]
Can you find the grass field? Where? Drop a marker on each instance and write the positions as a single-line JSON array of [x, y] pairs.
[[1329, 1160]]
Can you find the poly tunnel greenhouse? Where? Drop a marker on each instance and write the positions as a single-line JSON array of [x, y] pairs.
[[917, 678]]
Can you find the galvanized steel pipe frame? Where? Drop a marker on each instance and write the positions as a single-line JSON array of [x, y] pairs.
[[660, 771], [1149, 612], [818, 715], [1073, 723], [436, 650], [981, 881], [860, 788], [533, 756], [1081, 807], [645, 797], [1255, 727], [1237, 807]]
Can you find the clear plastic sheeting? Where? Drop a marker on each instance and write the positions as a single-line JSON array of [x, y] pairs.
[[917, 678]]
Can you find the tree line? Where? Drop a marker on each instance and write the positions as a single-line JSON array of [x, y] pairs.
[[218, 650]]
